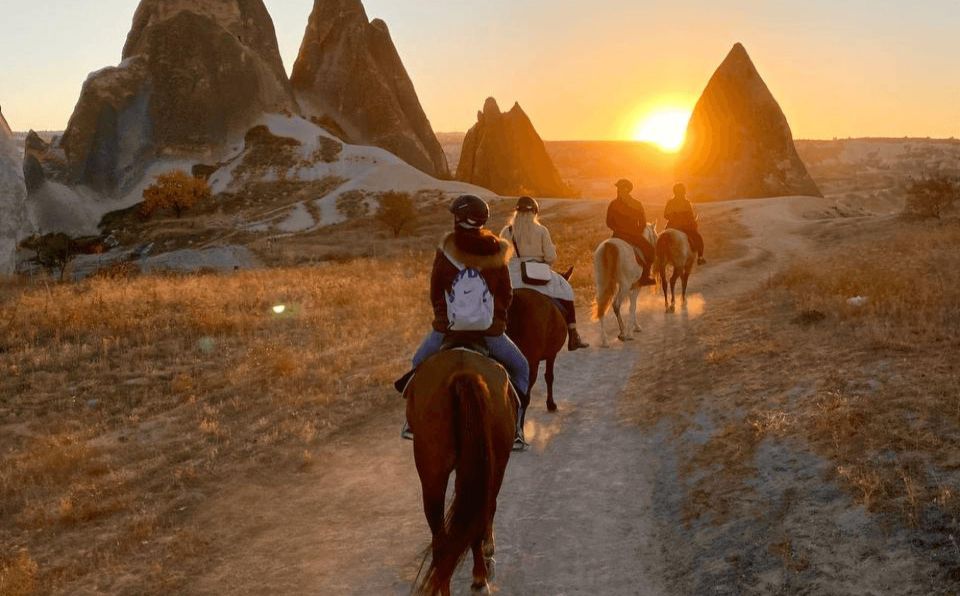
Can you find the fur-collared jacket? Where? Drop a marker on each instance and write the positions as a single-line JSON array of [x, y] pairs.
[[482, 251]]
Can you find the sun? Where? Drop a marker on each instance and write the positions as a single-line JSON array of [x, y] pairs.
[[666, 128]]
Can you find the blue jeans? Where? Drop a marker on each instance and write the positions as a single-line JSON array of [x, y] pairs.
[[502, 349]]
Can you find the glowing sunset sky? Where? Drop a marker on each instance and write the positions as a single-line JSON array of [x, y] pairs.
[[582, 70]]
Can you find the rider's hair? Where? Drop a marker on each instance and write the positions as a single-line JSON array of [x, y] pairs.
[[523, 222]]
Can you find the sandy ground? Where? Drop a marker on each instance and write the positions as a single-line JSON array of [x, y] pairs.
[[578, 513]]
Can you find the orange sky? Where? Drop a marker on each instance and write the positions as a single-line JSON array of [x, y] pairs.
[[581, 70]]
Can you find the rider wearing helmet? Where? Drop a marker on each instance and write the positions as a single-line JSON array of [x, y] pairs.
[[470, 245], [628, 221], [680, 215], [532, 242]]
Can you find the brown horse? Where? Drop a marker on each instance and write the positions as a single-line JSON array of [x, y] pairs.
[[463, 417], [673, 248], [538, 328]]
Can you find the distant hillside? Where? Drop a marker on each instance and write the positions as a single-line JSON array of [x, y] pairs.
[[841, 165]]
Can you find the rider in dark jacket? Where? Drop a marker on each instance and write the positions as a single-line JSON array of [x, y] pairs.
[[628, 220], [680, 215]]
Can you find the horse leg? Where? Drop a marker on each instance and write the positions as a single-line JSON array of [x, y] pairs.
[[548, 377], [663, 282], [673, 290], [634, 294], [684, 279], [617, 304], [479, 585], [489, 550]]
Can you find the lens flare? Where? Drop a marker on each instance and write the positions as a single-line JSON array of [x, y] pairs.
[[279, 309], [665, 128]]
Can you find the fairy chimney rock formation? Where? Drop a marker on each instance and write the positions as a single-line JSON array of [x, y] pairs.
[[349, 77], [12, 196], [195, 75], [504, 153], [739, 143]]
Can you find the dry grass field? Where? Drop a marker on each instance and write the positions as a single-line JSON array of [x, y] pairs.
[[869, 387], [128, 400]]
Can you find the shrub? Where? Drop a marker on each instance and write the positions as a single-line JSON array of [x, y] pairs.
[[353, 204], [397, 212], [931, 197], [53, 251], [175, 190]]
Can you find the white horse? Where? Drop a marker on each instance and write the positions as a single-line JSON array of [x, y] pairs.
[[673, 249], [617, 273]]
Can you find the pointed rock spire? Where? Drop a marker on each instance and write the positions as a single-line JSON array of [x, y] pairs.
[[349, 72], [739, 144], [504, 153]]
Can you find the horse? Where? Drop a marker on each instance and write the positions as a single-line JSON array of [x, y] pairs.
[[617, 273], [463, 416], [673, 249], [539, 329]]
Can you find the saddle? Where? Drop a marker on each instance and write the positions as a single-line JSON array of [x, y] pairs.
[[470, 341]]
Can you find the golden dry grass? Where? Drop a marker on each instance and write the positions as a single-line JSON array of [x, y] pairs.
[[873, 389], [124, 400]]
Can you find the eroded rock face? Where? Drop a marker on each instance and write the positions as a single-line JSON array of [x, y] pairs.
[[195, 75], [739, 144], [350, 73], [13, 193], [504, 153]]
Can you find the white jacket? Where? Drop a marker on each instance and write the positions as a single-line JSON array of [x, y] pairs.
[[538, 247]]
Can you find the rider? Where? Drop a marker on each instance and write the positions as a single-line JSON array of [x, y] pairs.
[[475, 247], [628, 220], [532, 242], [680, 215]]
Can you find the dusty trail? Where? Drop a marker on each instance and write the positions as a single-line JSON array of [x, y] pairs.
[[576, 511]]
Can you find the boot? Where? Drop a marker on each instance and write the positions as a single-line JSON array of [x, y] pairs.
[[575, 343], [645, 279], [401, 383]]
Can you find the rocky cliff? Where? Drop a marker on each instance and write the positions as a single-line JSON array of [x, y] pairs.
[[739, 144], [349, 77], [504, 153]]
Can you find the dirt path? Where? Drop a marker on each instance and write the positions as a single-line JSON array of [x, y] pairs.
[[576, 511]]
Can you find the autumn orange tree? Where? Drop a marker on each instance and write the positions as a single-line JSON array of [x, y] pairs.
[[175, 190], [397, 211]]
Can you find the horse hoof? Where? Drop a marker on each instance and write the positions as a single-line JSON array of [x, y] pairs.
[[637, 329], [625, 338], [483, 588], [551, 407], [520, 445]]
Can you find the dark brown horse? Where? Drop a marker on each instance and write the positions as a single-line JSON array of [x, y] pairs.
[[463, 418], [538, 328]]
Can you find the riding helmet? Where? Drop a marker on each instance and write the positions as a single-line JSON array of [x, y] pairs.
[[470, 212], [527, 204]]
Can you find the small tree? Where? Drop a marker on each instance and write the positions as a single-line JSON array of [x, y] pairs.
[[175, 190], [931, 197], [397, 212], [53, 251]]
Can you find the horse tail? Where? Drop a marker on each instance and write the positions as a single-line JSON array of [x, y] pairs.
[[606, 265], [467, 519]]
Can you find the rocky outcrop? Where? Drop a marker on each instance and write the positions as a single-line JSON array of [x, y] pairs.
[[350, 73], [739, 143], [195, 75], [13, 219], [504, 153]]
